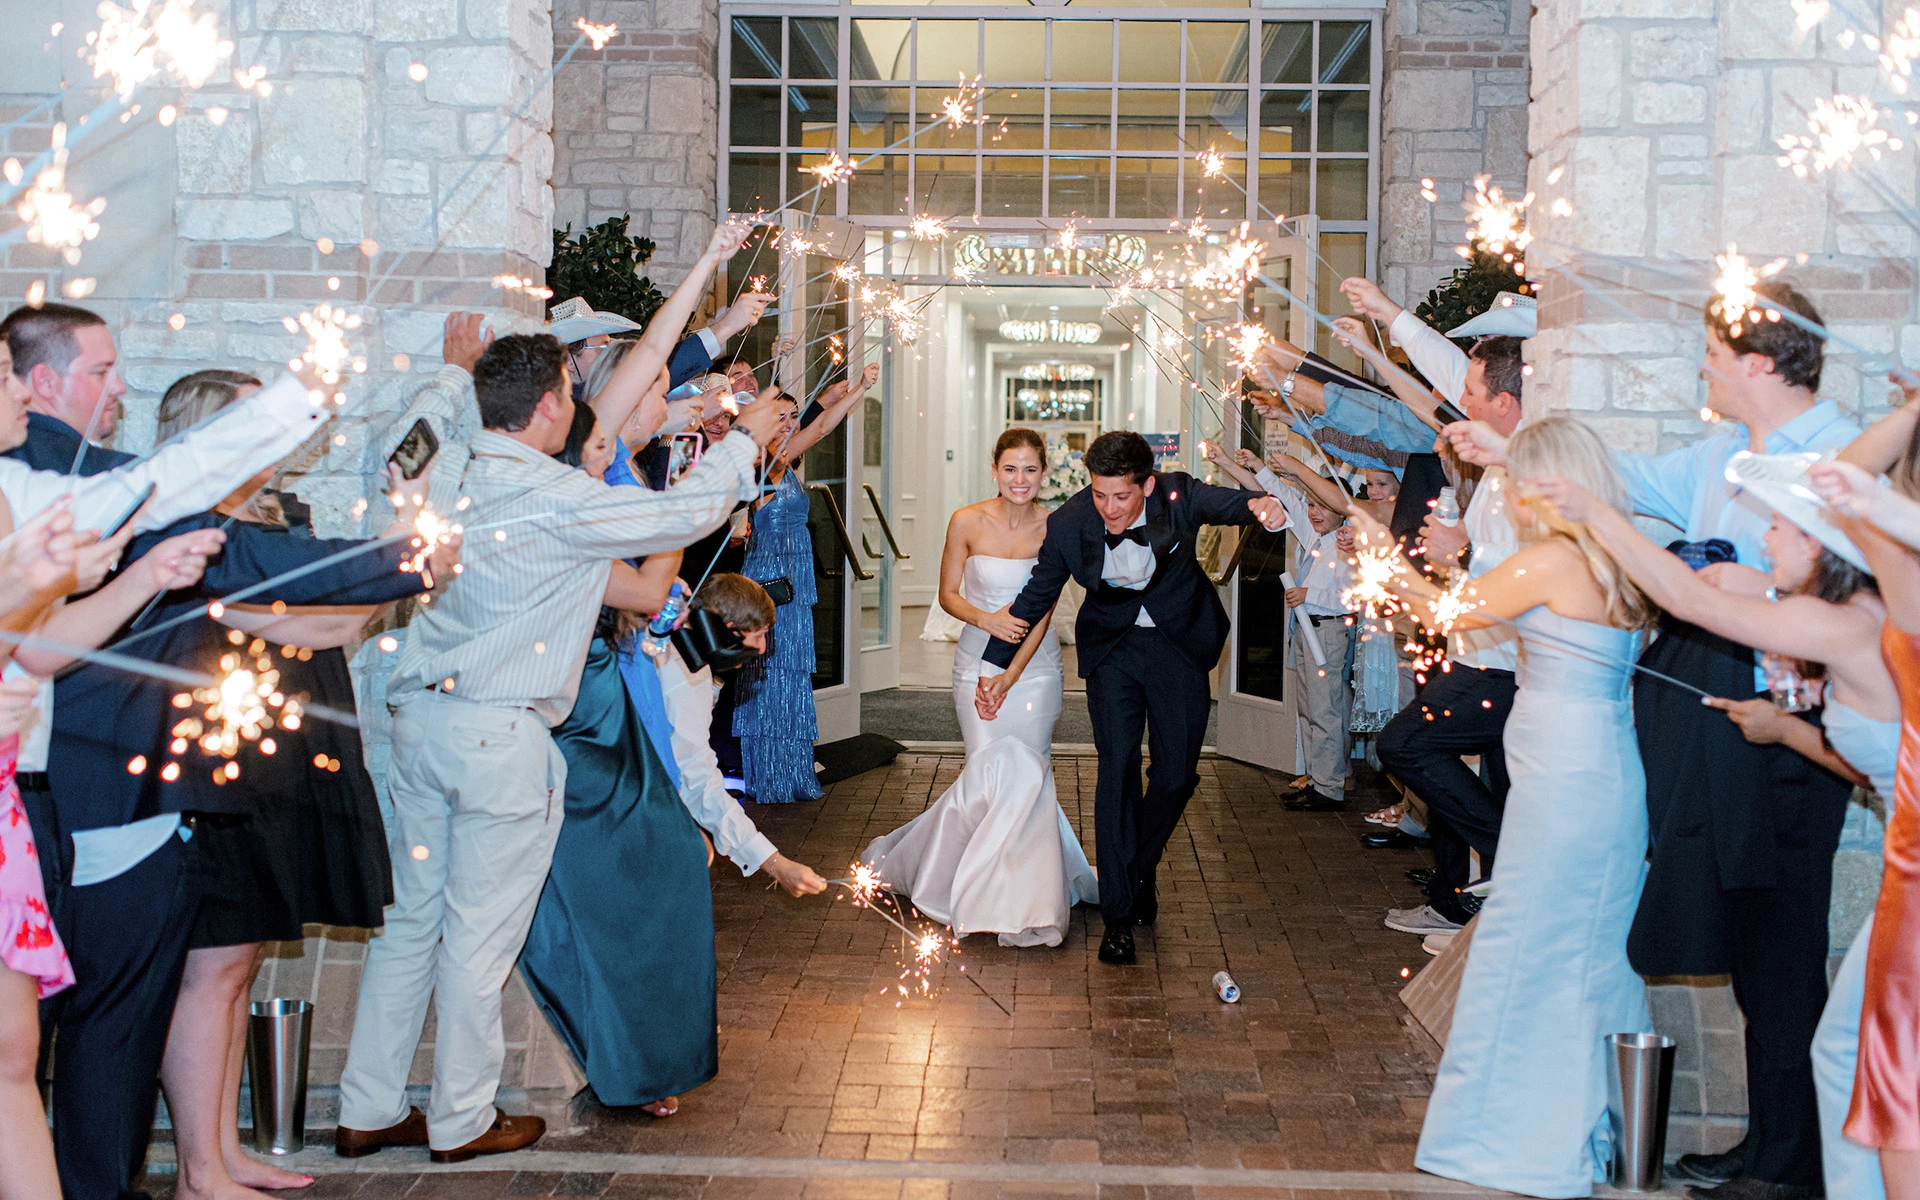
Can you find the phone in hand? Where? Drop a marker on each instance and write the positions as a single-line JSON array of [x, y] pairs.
[[682, 453], [1448, 412], [415, 450], [139, 501]]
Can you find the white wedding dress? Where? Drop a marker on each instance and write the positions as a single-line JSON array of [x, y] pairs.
[[995, 854]]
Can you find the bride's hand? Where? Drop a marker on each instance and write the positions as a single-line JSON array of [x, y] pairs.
[[988, 694], [1002, 624]]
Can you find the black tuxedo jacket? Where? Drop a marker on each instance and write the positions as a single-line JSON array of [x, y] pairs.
[[1180, 598]]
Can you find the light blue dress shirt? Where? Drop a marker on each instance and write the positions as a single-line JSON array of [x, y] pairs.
[[1360, 413], [1688, 488]]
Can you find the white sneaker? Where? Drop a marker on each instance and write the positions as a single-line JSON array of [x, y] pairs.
[[1422, 920], [1436, 943]]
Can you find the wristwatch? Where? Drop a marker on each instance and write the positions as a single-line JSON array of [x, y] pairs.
[[1286, 385]]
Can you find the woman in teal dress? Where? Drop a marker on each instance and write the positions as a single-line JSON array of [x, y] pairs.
[[627, 912], [775, 719]]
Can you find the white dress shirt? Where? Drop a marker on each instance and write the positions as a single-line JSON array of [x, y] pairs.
[[1491, 540], [192, 473], [1443, 363], [1329, 575], [689, 701], [512, 628], [1130, 565]]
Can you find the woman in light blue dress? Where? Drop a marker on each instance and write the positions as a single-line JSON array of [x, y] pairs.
[[1827, 620], [1520, 1102]]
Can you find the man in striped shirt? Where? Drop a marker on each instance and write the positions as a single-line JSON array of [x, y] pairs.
[[477, 783]]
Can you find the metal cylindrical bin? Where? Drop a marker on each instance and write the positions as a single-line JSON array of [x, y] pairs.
[[279, 1034], [1639, 1092]]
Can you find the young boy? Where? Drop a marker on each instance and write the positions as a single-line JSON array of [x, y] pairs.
[[747, 610], [1326, 700]]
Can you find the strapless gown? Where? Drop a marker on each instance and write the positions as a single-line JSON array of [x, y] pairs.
[[994, 854], [1520, 1102]]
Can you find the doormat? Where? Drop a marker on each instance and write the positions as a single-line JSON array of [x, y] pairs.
[[863, 752]]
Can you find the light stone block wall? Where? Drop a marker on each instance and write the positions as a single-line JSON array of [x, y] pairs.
[[426, 188], [1653, 144], [636, 125], [1454, 107]]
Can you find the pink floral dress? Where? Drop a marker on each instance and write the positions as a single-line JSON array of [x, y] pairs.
[[28, 942]]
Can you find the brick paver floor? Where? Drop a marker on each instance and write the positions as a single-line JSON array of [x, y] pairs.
[[1110, 1082]]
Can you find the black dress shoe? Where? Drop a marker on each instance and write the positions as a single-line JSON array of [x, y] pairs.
[[1421, 876], [1745, 1187], [1711, 1168], [1146, 904], [1117, 946], [1392, 839], [1313, 800]]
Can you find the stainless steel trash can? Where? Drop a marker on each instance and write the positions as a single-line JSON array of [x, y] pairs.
[[1639, 1091], [279, 1034]]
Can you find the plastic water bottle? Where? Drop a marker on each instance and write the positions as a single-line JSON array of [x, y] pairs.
[[1446, 510], [654, 644], [1225, 988]]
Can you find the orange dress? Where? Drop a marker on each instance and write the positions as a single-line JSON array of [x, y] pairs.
[[1886, 1084]]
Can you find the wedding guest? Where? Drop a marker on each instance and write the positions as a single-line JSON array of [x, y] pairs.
[[1829, 621], [307, 846], [1520, 1102], [774, 716], [1743, 836], [65, 357], [487, 672]]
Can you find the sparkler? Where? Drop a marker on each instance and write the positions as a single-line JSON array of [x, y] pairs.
[[964, 107], [430, 532], [928, 229], [328, 351], [1841, 127], [52, 217], [1245, 343], [134, 44], [1901, 48], [597, 35], [831, 171], [1495, 222], [1734, 294], [1213, 164]]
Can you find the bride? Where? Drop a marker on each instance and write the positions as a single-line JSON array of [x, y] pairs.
[[995, 854]]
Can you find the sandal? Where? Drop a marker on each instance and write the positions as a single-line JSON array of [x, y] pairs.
[[1389, 816], [660, 1110]]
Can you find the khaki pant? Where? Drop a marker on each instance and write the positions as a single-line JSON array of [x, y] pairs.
[[1324, 699], [476, 798]]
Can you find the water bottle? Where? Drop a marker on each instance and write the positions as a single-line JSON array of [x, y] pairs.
[[660, 629], [1225, 988], [1446, 510]]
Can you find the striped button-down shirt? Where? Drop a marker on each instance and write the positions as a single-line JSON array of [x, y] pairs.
[[541, 538]]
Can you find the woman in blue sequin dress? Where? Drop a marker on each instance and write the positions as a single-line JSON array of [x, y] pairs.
[[775, 719]]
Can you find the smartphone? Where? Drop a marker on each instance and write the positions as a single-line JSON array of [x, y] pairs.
[[683, 451], [1448, 412], [120, 522], [415, 450]]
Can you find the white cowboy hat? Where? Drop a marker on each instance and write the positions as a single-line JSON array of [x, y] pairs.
[[1780, 481], [575, 321], [1512, 315]]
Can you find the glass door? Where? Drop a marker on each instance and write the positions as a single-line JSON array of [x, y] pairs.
[[1257, 719], [879, 533]]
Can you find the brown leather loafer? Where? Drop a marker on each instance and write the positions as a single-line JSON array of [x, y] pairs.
[[506, 1134], [358, 1143]]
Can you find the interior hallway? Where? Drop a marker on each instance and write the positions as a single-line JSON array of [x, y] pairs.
[[1104, 1082]]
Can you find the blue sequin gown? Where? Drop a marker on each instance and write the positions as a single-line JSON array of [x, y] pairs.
[[774, 719]]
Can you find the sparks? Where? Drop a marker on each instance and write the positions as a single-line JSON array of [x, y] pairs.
[[1244, 344], [1808, 13], [1213, 164], [52, 218], [597, 35], [1065, 240], [134, 44], [831, 171], [1734, 294], [328, 351], [1901, 49], [1493, 221], [1841, 127], [964, 106], [430, 532], [928, 229]]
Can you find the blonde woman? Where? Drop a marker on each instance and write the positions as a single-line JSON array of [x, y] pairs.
[[1520, 1100]]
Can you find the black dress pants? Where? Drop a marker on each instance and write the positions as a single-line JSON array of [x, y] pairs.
[[1143, 684], [1459, 712], [127, 937]]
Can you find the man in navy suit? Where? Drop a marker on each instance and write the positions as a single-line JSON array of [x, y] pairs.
[[1148, 636]]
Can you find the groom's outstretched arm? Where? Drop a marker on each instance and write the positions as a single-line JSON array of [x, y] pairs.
[[1035, 600], [1227, 506]]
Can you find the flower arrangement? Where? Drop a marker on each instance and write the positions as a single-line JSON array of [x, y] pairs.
[[1066, 474]]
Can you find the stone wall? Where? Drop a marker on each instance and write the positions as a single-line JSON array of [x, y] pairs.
[[636, 126], [1455, 107], [1653, 138]]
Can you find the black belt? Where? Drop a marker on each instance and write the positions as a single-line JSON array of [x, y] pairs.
[[33, 781], [1318, 621]]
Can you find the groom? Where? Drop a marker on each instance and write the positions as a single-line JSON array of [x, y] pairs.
[[1148, 635]]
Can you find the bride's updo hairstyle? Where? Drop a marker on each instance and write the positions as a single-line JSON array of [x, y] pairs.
[[1570, 448], [1020, 437]]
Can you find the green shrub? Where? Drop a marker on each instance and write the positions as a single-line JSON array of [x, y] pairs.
[[603, 265], [1470, 290]]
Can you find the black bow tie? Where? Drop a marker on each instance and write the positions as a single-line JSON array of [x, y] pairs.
[[1137, 535]]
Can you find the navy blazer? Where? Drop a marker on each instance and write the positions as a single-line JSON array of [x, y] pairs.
[[1180, 598], [52, 445], [103, 718], [689, 358]]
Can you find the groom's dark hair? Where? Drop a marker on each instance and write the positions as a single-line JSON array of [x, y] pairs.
[[1120, 452]]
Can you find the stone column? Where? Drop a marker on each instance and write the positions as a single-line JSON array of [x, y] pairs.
[[636, 125], [1454, 108]]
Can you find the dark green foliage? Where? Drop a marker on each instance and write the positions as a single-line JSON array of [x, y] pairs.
[[603, 265], [1469, 291]]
